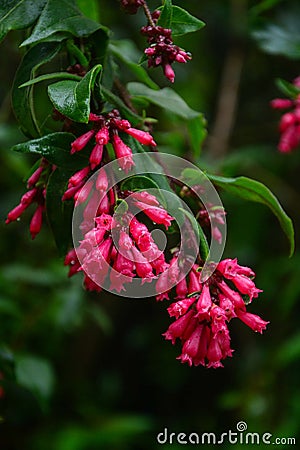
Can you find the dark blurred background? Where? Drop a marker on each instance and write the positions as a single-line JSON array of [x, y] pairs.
[[92, 371]]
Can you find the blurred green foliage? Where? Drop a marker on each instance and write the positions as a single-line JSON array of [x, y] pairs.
[[86, 371]]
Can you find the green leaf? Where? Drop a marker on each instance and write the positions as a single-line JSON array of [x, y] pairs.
[[56, 148], [283, 36], [89, 8], [183, 22], [289, 89], [22, 99], [19, 14], [255, 191], [61, 19], [127, 53], [165, 98], [50, 76], [72, 98], [59, 213], [36, 374], [165, 18]]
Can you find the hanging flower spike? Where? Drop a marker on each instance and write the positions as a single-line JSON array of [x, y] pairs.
[[162, 51], [208, 341]]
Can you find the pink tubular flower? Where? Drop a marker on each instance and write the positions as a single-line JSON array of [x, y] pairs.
[[102, 181], [34, 178], [156, 214], [78, 177], [102, 137], [123, 153], [142, 136], [96, 156], [145, 197], [252, 320], [169, 72], [81, 141], [36, 221]]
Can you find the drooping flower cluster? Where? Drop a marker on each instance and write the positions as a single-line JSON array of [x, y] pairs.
[[120, 248], [105, 129], [162, 51], [203, 311], [36, 185], [289, 125]]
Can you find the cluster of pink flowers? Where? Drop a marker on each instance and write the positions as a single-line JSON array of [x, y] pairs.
[[203, 310], [135, 254], [36, 185], [289, 125], [105, 129], [162, 51]]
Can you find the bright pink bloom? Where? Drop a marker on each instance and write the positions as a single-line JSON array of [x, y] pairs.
[[81, 141], [82, 194], [281, 103], [204, 303], [181, 289], [15, 213], [142, 136], [191, 346], [229, 268], [78, 177], [145, 197], [286, 121], [233, 296], [96, 156], [169, 72], [181, 307], [123, 153], [194, 282], [34, 178], [36, 221], [102, 181], [252, 320], [177, 328], [246, 286], [156, 214], [214, 354], [102, 137]]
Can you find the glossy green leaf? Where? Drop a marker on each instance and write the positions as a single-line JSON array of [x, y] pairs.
[[50, 76], [165, 18], [56, 148], [59, 213], [89, 8], [183, 22], [283, 36], [255, 191], [287, 88], [197, 132], [127, 53], [165, 98], [18, 14], [61, 19], [72, 98], [22, 99]]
